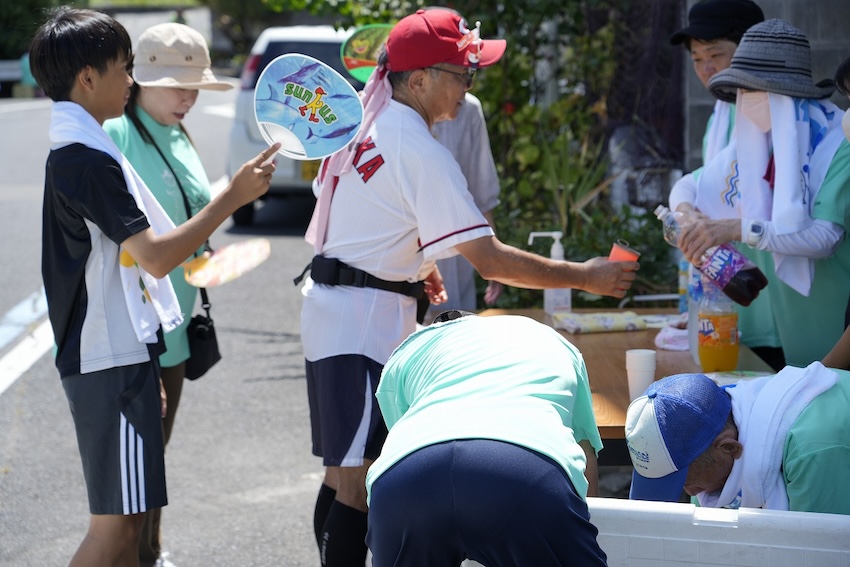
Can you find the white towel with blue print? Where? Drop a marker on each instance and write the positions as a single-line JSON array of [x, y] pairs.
[[804, 136], [151, 302], [764, 410]]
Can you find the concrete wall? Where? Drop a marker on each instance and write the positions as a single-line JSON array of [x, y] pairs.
[[825, 23]]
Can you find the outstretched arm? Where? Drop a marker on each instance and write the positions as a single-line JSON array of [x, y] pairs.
[[158, 254], [494, 288], [512, 266]]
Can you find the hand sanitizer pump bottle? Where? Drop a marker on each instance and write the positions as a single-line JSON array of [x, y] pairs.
[[555, 299]]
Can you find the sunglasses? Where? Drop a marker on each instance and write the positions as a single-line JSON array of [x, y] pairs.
[[467, 77]]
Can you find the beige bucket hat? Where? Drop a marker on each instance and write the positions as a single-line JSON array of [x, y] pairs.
[[174, 55]]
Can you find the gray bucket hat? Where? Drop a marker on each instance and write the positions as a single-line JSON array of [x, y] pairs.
[[774, 57]]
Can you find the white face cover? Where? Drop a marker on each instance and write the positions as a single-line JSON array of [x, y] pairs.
[[845, 125], [755, 105]]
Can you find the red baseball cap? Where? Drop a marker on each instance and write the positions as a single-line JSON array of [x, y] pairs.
[[429, 37]]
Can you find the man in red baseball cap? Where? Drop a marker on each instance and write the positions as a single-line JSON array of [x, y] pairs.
[[389, 205], [431, 37]]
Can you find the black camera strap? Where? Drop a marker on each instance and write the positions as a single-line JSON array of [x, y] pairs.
[[205, 302]]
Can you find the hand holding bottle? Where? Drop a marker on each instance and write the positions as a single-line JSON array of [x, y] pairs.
[[725, 266], [700, 234]]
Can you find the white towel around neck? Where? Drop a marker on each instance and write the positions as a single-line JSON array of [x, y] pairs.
[[153, 303], [764, 410], [804, 136], [719, 131]]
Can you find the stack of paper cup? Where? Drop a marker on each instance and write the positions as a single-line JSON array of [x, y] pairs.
[[640, 369]]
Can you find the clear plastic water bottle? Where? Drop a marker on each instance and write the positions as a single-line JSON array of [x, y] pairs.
[[724, 265], [684, 267], [694, 297]]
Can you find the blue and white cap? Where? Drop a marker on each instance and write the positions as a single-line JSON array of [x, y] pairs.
[[667, 428]]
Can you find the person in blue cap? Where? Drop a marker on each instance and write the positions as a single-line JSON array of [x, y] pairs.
[[778, 442]]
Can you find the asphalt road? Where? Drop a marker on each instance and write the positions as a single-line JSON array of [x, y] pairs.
[[241, 479]]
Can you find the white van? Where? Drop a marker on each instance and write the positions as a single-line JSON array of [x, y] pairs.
[[291, 176]]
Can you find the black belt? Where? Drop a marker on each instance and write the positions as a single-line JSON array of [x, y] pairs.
[[330, 271]]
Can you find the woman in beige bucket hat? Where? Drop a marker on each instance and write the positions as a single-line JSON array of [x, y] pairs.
[[172, 62]]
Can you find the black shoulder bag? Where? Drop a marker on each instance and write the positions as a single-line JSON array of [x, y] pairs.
[[203, 344]]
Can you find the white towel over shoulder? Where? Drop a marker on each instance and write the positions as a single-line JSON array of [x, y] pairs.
[[764, 410], [804, 137], [157, 304]]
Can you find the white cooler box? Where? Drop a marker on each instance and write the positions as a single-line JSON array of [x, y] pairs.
[[655, 534]]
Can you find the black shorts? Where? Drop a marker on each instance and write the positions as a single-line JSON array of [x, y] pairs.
[[119, 433], [490, 501], [345, 418]]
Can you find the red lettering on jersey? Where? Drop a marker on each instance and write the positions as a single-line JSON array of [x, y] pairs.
[[367, 144], [369, 168]]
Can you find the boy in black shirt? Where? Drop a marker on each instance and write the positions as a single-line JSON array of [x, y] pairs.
[[106, 254]]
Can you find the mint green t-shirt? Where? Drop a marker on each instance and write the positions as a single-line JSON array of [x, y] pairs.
[[504, 378], [810, 326], [186, 162], [756, 321], [816, 457]]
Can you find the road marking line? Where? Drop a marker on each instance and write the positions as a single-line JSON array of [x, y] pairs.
[[26, 353], [21, 317]]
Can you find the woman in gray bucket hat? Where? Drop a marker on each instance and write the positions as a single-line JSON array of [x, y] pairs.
[[779, 187], [714, 30]]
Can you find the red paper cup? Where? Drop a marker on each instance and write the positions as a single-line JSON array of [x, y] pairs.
[[622, 252]]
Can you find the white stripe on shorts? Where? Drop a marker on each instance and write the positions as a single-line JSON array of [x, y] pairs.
[[354, 456], [132, 469]]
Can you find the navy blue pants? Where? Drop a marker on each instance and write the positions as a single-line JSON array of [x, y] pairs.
[[494, 502]]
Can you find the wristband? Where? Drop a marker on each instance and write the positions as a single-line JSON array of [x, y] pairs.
[[753, 233]]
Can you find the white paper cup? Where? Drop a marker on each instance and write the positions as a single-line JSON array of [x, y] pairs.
[[640, 370]]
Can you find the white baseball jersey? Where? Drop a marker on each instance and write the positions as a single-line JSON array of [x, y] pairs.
[[403, 205]]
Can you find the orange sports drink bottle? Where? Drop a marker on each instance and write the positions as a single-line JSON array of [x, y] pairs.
[[718, 342], [718, 331]]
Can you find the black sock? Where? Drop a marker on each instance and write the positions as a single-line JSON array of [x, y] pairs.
[[344, 537], [320, 514]]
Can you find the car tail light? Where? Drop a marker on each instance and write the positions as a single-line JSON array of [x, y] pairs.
[[249, 72]]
